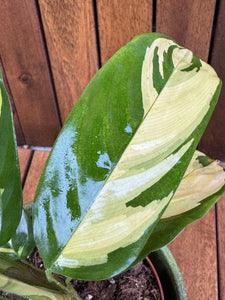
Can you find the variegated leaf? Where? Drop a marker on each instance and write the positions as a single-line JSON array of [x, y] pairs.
[[203, 178], [202, 185], [10, 183], [30, 282], [120, 157]]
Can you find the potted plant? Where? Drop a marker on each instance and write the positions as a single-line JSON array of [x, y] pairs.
[[109, 195]]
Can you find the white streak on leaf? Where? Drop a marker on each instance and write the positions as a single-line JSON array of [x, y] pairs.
[[167, 125], [150, 144], [92, 249], [194, 163], [7, 250], [110, 224], [196, 186], [149, 93]]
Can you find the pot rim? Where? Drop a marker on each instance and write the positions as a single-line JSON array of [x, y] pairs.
[[157, 277]]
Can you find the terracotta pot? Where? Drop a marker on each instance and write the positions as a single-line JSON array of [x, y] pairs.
[[156, 276], [169, 274]]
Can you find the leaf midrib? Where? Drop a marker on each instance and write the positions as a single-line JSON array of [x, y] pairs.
[[109, 175]]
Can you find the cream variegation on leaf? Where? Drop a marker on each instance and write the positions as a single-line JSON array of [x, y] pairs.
[[144, 162], [198, 183], [202, 185], [177, 91]]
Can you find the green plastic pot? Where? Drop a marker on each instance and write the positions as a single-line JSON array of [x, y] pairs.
[[169, 274]]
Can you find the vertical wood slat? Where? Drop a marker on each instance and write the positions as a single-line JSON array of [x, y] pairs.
[[119, 21], [71, 39], [221, 238], [195, 251], [24, 158], [25, 63], [213, 142], [18, 128], [189, 22], [35, 170]]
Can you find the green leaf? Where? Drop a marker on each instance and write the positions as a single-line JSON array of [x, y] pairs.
[[120, 157], [22, 242], [202, 185], [10, 183], [30, 282]]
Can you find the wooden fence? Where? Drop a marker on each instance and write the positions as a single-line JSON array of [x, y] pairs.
[[50, 49]]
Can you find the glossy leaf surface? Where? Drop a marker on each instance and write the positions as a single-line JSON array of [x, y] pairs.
[[10, 183], [120, 157], [22, 242]]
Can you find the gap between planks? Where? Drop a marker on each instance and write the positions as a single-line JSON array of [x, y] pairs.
[[195, 251]]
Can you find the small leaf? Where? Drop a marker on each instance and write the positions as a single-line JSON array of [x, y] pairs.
[[22, 242], [10, 183], [120, 157], [29, 282]]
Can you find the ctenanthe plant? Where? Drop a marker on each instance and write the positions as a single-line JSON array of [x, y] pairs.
[[123, 178]]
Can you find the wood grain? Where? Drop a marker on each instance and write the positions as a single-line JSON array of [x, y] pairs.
[[24, 159], [19, 132], [189, 22], [221, 238], [25, 62], [196, 254], [119, 21], [34, 174], [213, 142], [70, 34]]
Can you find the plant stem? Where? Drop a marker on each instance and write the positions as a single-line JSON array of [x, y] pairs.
[[69, 288]]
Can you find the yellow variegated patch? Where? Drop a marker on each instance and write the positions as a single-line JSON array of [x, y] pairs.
[[149, 93], [110, 224], [107, 227], [7, 250], [1, 193], [0, 102], [198, 184], [20, 288], [153, 151], [180, 56], [194, 163]]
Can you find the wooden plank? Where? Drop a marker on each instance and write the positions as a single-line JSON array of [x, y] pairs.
[[24, 159], [213, 142], [189, 22], [34, 174], [196, 254], [25, 62], [121, 20], [70, 34], [19, 132], [221, 238]]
